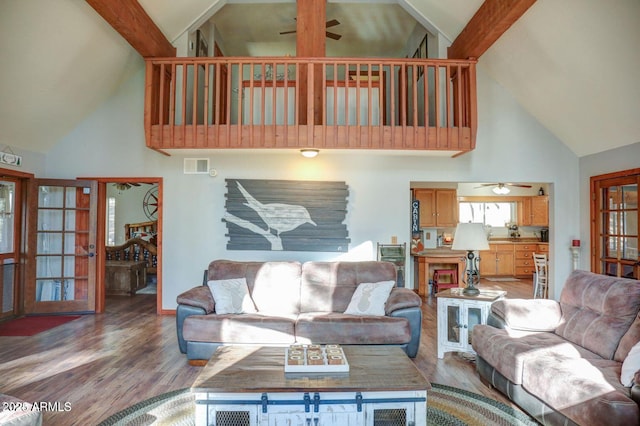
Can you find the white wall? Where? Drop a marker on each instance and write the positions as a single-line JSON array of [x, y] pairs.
[[614, 160], [511, 146]]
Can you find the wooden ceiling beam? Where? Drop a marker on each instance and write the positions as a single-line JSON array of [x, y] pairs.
[[131, 21], [488, 24], [311, 28]]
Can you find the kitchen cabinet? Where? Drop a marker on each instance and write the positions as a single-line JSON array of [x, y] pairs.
[[524, 266], [542, 248], [497, 261], [534, 211], [438, 207]]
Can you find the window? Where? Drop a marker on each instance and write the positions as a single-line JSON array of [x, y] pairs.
[[111, 221], [7, 216], [488, 213], [614, 230]]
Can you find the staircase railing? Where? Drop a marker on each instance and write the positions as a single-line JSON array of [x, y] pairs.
[[328, 103]]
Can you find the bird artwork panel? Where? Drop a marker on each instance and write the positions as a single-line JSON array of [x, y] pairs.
[[286, 215]]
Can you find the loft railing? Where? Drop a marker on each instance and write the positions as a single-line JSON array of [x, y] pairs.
[[330, 103]]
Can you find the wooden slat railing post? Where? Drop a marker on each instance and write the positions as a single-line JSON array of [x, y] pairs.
[[150, 100], [473, 102]]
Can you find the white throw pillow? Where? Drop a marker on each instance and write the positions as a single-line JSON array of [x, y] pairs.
[[370, 298], [630, 365], [232, 296]]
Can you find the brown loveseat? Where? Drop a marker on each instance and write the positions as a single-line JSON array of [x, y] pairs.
[[297, 303], [561, 361]]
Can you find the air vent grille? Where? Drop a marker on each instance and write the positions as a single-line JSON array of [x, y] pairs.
[[196, 166]]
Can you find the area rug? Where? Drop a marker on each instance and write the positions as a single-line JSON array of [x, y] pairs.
[[446, 406], [30, 326]]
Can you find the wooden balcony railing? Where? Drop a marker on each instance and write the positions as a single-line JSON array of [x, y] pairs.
[[324, 103]]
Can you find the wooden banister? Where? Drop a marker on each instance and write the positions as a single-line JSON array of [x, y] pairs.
[[393, 104]]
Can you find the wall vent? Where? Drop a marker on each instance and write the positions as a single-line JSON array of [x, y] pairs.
[[195, 166]]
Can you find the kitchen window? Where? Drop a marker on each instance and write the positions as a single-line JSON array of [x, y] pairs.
[[488, 213]]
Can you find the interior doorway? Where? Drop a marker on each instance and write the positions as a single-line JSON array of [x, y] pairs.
[[130, 238]]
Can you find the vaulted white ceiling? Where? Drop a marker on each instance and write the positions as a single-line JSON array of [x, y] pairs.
[[573, 64]]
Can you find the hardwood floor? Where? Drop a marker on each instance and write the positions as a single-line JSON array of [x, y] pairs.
[[101, 364]]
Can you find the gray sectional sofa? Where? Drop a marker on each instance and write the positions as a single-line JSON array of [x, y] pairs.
[[297, 303], [561, 360]]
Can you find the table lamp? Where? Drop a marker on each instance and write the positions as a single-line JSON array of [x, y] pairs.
[[470, 237]]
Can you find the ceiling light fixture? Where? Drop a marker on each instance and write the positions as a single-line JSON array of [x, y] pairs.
[[309, 152], [501, 190]]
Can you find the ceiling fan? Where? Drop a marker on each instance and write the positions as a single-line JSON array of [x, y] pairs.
[[329, 24], [502, 188], [123, 186]]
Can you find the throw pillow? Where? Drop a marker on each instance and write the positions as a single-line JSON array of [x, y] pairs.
[[630, 365], [232, 296], [370, 298]]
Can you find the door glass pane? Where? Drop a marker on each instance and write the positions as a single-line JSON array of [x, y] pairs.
[[70, 220], [49, 220], [474, 317], [453, 326], [69, 244], [8, 273], [70, 201], [49, 266], [611, 246], [69, 266], [50, 196], [49, 242], [629, 248], [7, 216], [613, 222], [629, 197]]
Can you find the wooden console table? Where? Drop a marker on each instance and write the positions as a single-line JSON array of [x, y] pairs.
[[248, 385]]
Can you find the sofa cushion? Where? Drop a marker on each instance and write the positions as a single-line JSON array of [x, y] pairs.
[[370, 298], [508, 351], [231, 296], [329, 286], [597, 310], [274, 286], [630, 366], [239, 328], [587, 391], [528, 314], [344, 329]]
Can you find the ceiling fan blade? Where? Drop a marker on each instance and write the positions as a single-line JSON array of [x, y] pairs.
[[518, 185], [333, 35], [332, 23], [288, 32], [482, 185]]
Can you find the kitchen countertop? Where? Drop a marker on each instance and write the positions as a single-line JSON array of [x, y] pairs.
[[516, 241], [440, 252], [446, 251]]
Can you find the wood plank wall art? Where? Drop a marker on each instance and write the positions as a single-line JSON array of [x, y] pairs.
[[286, 215]]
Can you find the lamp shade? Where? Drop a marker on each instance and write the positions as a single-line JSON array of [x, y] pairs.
[[470, 236]]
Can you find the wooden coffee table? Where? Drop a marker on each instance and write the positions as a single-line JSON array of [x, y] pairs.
[[247, 385]]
